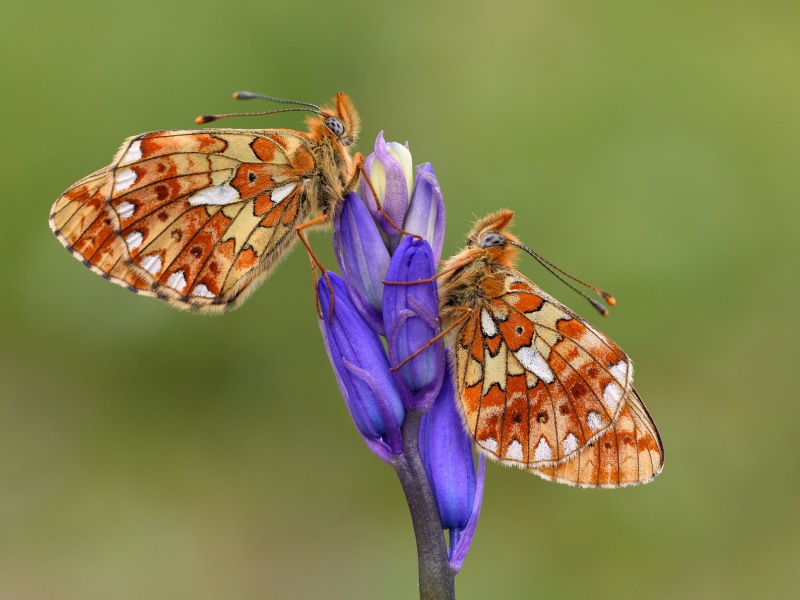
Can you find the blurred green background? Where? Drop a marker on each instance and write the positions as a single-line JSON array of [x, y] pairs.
[[651, 148]]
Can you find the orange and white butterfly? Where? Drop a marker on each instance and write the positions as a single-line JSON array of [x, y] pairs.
[[538, 387], [199, 217]]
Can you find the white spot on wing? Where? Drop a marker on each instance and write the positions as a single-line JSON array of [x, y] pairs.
[[134, 240], [151, 263], [134, 152], [216, 195], [611, 396], [126, 209], [201, 290], [594, 421], [620, 371], [280, 193], [514, 451], [490, 444], [533, 361], [570, 443], [543, 451], [125, 179], [487, 324], [177, 281]]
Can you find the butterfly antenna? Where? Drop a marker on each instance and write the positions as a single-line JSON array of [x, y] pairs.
[[251, 95], [544, 262], [208, 118]]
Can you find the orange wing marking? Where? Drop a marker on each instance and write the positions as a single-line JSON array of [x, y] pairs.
[[629, 452], [167, 192], [571, 374]]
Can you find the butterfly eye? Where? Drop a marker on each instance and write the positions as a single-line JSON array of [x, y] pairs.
[[335, 125], [492, 239]]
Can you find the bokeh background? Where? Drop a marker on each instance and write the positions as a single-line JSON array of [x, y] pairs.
[[649, 147]]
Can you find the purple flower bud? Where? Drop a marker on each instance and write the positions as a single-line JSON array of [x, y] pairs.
[[411, 318], [390, 172], [362, 370], [446, 452], [363, 258], [426, 215]]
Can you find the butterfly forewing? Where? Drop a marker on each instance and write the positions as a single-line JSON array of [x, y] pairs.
[[190, 216]]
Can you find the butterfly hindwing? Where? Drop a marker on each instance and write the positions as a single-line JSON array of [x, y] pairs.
[[540, 388], [194, 216], [628, 453]]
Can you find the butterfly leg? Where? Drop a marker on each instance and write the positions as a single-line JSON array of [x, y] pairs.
[[360, 166], [435, 277], [315, 278], [316, 261], [440, 336], [350, 186]]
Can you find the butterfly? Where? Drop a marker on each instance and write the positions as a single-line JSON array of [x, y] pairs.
[[200, 217], [538, 387]]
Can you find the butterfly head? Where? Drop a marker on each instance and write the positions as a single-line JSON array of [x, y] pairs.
[[340, 122], [491, 238]]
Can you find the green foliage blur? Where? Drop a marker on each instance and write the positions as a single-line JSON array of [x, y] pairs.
[[650, 148]]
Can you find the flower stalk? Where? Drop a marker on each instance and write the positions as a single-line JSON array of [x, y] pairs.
[[436, 578]]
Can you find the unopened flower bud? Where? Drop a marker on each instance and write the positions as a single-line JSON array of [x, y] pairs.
[[426, 214], [392, 175], [446, 452], [363, 259], [411, 318], [362, 370]]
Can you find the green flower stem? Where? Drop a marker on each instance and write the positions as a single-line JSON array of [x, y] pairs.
[[436, 580]]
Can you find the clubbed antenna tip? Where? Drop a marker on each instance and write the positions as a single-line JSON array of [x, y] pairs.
[[544, 262], [600, 308], [608, 298]]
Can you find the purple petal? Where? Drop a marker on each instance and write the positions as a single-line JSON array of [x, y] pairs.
[[395, 201], [392, 426], [363, 258], [426, 213], [459, 553], [357, 355], [446, 452], [378, 447], [410, 315]]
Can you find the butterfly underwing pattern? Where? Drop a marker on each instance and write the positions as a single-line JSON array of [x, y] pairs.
[[200, 217], [537, 386]]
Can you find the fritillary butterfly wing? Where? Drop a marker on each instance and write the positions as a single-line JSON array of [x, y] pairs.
[[200, 217], [628, 453], [539, 388]]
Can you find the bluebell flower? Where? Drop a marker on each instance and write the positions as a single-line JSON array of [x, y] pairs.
[[391, 173], [426, 214], [411, 319], [362, 370], [363, 238], [446, 452], [363, 259]]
